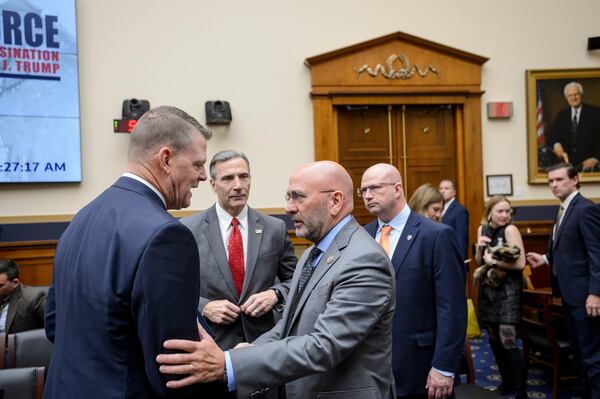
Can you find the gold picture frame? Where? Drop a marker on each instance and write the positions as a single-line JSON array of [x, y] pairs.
[[545, 101]]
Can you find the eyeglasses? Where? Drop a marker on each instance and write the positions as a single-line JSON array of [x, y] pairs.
[[374, 188], [298, 196]]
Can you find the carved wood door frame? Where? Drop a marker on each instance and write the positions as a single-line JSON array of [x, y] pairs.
[[400, 69]]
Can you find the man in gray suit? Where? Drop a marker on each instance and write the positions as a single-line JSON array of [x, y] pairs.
[[335, 337], [237, 302]]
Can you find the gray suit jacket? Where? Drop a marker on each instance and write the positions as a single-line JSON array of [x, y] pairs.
[[270, 257], [339, 339], [26, 309]]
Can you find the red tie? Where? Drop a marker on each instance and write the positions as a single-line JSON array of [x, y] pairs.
[[236, 255]]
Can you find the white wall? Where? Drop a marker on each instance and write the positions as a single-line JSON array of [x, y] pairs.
[[251, 53]]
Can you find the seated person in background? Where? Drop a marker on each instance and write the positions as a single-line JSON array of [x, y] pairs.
[[427, 201], [21, 308]]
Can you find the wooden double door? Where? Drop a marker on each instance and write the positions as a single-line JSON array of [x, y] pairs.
[[420, 140]]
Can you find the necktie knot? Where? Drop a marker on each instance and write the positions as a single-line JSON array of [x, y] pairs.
[[314, 254], [307, 269], [235, 222]]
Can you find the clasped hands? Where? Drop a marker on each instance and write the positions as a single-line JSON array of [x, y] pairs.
[[223, 312]]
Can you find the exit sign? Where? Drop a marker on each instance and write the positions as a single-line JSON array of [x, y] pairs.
[[500, 110]]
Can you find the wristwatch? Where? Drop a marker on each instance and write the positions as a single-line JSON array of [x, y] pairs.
[[225, 380], [279, 295], [494, 262]]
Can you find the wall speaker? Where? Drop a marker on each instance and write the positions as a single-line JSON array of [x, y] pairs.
[[593, 43], [134, 108], [217, 112]]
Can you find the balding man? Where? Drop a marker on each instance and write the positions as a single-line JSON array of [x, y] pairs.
[[126, 271], [575, 134], [334, 340], [431, 316]]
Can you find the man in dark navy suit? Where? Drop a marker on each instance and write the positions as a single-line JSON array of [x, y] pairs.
[[574, 258], [575, 134], [455, 215], [126, 272], [431, 312]]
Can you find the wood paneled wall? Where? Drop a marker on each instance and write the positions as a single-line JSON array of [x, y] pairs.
[[36, 258]]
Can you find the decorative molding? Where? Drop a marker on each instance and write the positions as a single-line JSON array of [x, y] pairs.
[[406, 72]]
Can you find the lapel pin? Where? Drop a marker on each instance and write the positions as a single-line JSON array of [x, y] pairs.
[[258, 231], [330, 259], [409, 237]]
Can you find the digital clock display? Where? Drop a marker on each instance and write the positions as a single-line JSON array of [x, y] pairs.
[[124, 125], [39, 93]]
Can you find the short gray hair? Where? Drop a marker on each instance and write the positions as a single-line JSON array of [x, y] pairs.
[[573, 84], [224, 156], [164, 126]]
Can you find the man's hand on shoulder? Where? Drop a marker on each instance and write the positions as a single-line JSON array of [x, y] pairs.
[[221, 312], [201, 361], [260, 303]]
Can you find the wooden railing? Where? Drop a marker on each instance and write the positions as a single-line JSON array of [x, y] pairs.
[[36, 258]]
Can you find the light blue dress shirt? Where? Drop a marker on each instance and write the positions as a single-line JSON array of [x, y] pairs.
[[323, 245]]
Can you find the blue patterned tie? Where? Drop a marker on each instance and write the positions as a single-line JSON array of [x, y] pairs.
[[307, 269]]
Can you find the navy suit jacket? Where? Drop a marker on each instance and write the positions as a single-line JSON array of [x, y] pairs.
[[457, 217], [575, 253], [125, 279], [587, 138], [431, 305]]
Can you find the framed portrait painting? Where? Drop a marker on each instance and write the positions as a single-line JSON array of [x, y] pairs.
[[563, 121]]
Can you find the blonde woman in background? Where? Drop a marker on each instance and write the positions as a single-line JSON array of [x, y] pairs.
[[500, 305], [427, 201]]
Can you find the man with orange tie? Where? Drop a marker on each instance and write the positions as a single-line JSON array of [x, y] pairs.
[[246, 257], [431, 315]]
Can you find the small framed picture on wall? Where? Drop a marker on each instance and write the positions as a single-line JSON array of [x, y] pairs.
[[499, 185]]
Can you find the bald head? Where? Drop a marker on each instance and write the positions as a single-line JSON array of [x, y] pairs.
[[384, 171], [320, 196], [383, 196]]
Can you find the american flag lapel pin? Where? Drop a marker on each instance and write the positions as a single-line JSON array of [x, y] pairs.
[[409, 237]]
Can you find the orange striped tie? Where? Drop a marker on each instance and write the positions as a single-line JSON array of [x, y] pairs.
[[384, 239]]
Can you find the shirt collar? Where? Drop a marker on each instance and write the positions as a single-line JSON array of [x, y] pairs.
[[147, 184], [398, 221], [326, 241], [567, 201], [447, 204], [225, 218]]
